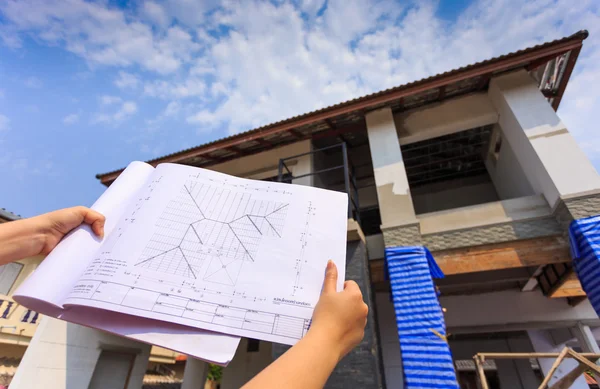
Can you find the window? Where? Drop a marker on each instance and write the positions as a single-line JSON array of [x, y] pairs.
[[8, 276]]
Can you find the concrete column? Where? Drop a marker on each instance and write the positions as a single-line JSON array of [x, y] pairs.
[[543, 342], [552, 161], [304, 165], [586, 339], [246, 364], [63, 355], [393, 193], [194, 375]]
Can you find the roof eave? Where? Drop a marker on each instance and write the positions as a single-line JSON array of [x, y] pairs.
[[522, 57]]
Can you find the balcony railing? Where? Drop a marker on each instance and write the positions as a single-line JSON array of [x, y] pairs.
[[350, 187], [7, 308]]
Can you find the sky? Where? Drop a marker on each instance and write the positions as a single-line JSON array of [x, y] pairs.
[[86, 87]]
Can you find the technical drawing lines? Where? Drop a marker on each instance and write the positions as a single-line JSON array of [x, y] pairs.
[[216, 223], [184, 260], [310, 212]]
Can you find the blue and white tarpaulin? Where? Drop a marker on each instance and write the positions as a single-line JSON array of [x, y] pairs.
[[426, 358], [584, 235]]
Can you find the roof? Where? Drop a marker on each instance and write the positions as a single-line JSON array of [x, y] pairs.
[[8, 215], [349, 115]]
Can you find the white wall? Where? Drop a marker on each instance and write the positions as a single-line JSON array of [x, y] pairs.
[[518, 309], [506, 172], [551, 159], [63, 355], [508, 310], [505, 211], [262, 165], [453, 194], [450, 116]]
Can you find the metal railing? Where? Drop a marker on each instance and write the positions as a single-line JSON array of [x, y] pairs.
[[350, 187]]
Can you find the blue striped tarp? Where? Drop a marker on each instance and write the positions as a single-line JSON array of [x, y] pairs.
[[426, 358], [584, 235]]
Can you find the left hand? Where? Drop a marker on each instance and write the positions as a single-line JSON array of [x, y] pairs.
[[55, 225]]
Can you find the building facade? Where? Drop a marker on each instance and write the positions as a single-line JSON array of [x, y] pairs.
[[474, 164]]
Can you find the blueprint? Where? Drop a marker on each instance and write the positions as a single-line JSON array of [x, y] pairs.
[[220, 253]]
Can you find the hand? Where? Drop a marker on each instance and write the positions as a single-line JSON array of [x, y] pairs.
[[339, 317], [55, 225]]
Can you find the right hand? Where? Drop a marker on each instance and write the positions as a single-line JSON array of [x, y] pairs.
[[339, 318]]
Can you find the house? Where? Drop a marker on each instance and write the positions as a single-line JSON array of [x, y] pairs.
[[18, 325], [474, 164]]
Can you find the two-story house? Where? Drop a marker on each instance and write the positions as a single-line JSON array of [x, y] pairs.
[[474, 164]]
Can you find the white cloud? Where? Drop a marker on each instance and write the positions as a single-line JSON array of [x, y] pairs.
[[172, 108], [71, 119], [155, 13], [127, 80], [4, 123], [33, 82], [102, 35], [126, 110], [109, 100], [245, 64], [192, 87]]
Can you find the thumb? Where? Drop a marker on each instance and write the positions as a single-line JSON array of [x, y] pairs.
[[331, 276]]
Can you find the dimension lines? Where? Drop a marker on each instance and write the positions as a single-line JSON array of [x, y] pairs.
[[304, 241], [206, 222]]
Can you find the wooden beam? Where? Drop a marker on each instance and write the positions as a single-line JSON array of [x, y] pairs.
[[234, 150], [567, 286], [530, 252], [363, 104], [296, 134], [263, 142], [566, 75], [441, 93]]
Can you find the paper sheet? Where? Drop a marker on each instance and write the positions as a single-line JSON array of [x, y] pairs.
[[46, 289], [222, 253]]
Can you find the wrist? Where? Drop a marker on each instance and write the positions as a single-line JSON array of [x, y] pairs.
[[37, 233], [325, 343]]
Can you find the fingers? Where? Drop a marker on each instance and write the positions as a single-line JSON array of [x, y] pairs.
[[352, 286], [94, 219], [331, 276]]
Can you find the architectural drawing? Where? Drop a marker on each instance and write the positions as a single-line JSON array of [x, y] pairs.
[[207, 222]]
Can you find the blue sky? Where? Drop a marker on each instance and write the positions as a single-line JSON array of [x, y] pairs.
[[87, 87]]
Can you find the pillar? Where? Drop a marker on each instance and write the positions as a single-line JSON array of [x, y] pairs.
[[586, 339], [247, 362], [399, 223], [543, 342], [194, 374], [64, 355], [554, 164]]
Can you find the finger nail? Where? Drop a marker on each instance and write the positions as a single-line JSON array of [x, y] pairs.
[[329, 264]]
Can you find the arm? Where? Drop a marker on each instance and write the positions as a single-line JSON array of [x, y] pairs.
[[338, 326], [40, 234]]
